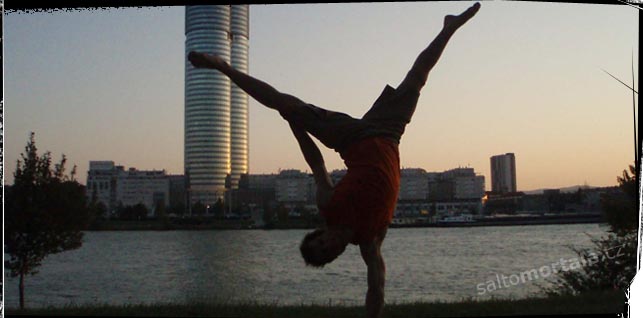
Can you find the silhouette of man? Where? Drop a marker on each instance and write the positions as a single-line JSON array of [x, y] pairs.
[[359, 208]]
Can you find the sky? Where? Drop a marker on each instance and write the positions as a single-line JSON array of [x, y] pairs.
[[521, 77]]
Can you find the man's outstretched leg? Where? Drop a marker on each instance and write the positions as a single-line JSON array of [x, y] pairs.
[[393, 109], [418, 75], [333, 129], [259, 90]]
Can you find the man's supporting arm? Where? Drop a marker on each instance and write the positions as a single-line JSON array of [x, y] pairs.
[[315, 161], [376, 277]]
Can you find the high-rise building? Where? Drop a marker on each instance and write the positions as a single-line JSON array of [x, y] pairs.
[[239, 28], [503, 173], [216, 111]]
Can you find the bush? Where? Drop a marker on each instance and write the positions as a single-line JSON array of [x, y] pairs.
[[612, 263]]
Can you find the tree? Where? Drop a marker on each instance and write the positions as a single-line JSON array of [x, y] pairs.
[[135, 212], [160, 210], [124, 212], [120, 212], [101, 211], [139, 211], [282, 213], [45, 213], [612, 264], [268, 214], [218, 208], [177, 209], [97, 211], [198, 208], [621, 212]]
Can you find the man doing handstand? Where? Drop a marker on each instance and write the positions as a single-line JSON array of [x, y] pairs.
[[359, 208]]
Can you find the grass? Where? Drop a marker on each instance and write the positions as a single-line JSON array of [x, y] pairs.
[[611, 302]]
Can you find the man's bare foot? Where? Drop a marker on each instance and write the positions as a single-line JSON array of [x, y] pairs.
[[204, 60], [455, 21]]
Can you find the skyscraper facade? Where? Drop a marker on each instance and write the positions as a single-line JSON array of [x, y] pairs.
[[239, 28], [503, 173], [216, 111]]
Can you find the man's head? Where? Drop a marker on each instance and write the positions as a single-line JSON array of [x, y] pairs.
[[322, 246]]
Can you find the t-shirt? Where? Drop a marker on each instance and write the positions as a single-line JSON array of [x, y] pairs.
[[365, 198]]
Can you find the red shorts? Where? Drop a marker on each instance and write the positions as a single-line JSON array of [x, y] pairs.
[[365, 198]]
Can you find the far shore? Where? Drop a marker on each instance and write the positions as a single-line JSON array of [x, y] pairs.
[[204, 223]]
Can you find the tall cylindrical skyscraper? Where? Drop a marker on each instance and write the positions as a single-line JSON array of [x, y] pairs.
[[207, 104], [216, 114], [239, 99]]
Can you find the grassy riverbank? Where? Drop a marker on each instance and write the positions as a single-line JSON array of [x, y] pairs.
[[592, 303]]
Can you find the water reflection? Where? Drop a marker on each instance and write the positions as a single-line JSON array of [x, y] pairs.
[[425, 264]]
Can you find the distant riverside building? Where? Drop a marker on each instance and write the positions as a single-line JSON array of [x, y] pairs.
[[433, 195], [578, 200], [255, 189], [456, 190], [503, 203], [265, 182], [503, 173], [101, 182], [456, 184], [466, 184], [178, 195], [294, 186], [113, 186], [413, 184], [216, 111], [149, 187]]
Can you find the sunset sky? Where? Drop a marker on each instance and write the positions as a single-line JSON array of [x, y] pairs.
[[521, 77]]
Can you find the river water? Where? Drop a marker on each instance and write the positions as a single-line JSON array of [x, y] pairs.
[[423, 264]]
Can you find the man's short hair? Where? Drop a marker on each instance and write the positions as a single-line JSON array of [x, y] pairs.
[[312, 254]]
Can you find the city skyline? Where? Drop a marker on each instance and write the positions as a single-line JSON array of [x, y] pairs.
[[336, 175], [529, 88]]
